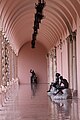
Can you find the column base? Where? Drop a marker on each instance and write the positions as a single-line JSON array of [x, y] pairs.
[[75, 93]]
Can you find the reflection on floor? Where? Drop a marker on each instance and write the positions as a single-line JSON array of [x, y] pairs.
[[32, 103]]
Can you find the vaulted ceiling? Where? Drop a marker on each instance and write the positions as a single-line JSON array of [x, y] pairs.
[[17, 19]]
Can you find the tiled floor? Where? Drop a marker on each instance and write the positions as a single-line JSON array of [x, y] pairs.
[[32, 103]]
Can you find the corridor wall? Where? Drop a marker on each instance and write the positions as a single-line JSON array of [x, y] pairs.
[[32, 59]]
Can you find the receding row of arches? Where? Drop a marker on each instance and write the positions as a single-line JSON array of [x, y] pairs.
[[61, 16]]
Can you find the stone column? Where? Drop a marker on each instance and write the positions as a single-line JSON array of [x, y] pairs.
[[70, 60], [52, 64], [13, 65], [7, 61], [0, 57], [16, 66], [3, 62], [55, 62], [47, 58], [10, 62], [50, 67], [74, 65]]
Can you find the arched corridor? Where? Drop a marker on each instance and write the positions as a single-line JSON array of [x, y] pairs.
[[43, 35]]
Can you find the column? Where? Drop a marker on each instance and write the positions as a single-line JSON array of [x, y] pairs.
[[0, 57], [50, 67], [10, 62], [55, 62], [74, 65], [13, 65], [70, 60], [16, 67], [47, 58], [52, 64], [7, 61], [3, 63]]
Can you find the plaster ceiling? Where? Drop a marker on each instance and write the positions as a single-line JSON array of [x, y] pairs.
[[17, 19]]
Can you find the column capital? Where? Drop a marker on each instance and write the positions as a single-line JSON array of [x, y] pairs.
[[69, 38], [73, 35]]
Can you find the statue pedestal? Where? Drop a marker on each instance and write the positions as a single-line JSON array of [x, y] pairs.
[[66, 94]]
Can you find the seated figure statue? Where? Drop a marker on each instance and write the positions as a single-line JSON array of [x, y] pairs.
[[54, 84], [63, 85], [61, 91]]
